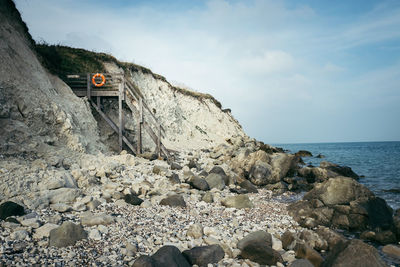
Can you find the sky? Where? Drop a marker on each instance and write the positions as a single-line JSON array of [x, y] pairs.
[[291, 71]]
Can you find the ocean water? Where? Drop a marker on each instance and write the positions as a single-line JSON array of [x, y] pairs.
[[379, 162]]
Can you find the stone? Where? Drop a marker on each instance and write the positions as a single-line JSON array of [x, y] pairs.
[[288, 240], [202, 256], [219, 170], [133, 199], [261, 253], [92, 205], [246, 184], [160, 170], [392, 251], [303, 153], [32, 222], [90, 219], [261, 237], [63, 195], [304, 251], [67, 235], [208, 197], [301, 263], [238, 202], [340, 170], [10, 208], [195, 231], [145, 261], [198, 183], [261, 174], [192, 164], [331, 236], [95, 234], [174, 179], [175, 166], [170, 256], [354, 253], [44, 230], [173, 201], [61, 207], [215, 180]]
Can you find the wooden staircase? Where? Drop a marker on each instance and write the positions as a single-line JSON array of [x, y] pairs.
[[117, 85]]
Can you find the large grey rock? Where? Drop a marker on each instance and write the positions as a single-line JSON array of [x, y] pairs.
[[219, 170], [67, 235], [10, 208], [354, 253], [239, 202], [340, 170], [63, 195], [173, 201], [215, 180], [255, 237], [202, 256], [145, 261], [170, 256], [198, 183], [261, 174]]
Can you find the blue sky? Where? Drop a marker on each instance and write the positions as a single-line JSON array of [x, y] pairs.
[[290, 70]]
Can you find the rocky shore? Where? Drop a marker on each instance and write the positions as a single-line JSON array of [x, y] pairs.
[[231, 206]]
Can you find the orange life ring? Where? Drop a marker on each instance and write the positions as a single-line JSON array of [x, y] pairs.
[[103, 80]]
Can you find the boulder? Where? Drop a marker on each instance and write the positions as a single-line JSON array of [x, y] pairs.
[[248, 186], [261, 237], [198, 183], [301, 263], [170, 256], [145, 261], [238, 202], [354, 253], [304, 251], [202, 256], [331, 237], [392, 251], [133, 199], [215, 180], [10, 208], [340, 170], [283, 165], [288, 240], [303, 153], [261, 174], [260, 252], [173, 201], [63, 195], [67, 235], [219, 170]]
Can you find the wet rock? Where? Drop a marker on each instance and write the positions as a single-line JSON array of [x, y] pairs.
[[173, 201], [10, 208], [238, 202], [67, 235], [170, 256], [392, 251], [320, 156], [303, 153], [202, 256], [354, 253], [215, 180], [133, 199], [198, 183]]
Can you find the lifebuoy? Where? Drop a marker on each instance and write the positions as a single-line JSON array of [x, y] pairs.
[[103, 80]]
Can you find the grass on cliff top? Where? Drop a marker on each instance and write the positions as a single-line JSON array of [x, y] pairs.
[[63, 60]]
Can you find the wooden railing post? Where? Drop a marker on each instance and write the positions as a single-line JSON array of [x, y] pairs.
[[140, 126], [88, 84], [120, 116]]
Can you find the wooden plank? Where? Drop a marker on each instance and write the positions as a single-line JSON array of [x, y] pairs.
[[88, 86], [96, 93]]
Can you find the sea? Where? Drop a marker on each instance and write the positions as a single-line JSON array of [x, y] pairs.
[[377, 162]]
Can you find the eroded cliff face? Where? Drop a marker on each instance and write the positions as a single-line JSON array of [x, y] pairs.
[[37, 110]]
